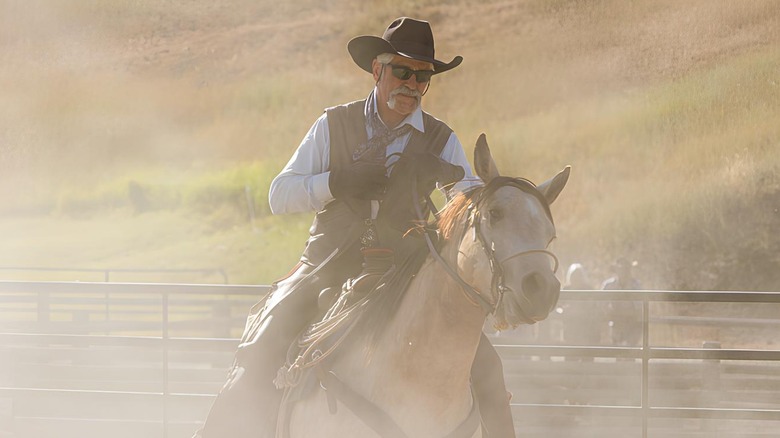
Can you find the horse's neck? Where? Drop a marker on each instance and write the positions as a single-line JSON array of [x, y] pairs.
[[437, 302], [433, 337], [419, 368]]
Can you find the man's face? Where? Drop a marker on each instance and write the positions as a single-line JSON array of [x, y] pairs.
[[399, 96]]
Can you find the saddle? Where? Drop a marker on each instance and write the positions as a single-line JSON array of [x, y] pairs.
[[339, 309]]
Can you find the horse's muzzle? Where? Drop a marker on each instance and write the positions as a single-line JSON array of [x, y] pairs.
[[541, 291]]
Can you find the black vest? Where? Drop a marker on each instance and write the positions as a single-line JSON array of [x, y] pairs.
[[341, 222]]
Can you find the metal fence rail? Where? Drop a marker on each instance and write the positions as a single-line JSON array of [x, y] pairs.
[[42, 303], [108, 272]]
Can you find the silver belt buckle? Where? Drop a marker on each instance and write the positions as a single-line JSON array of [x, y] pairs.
[[369, 238]]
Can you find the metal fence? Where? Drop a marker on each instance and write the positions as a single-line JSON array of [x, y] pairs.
[[167, 346], [647, 353], [203, 275]]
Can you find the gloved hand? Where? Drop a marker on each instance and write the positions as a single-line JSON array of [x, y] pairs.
[[418, 171], [361, 180], [431, 169]]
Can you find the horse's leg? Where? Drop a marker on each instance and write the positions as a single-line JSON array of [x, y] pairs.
[[487, 377]]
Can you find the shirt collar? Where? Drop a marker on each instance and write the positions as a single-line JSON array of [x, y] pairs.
[[415, 118]]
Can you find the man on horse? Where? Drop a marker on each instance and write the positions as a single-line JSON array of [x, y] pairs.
[[340, 171]]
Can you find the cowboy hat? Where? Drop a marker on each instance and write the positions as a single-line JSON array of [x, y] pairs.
[[406, 37]]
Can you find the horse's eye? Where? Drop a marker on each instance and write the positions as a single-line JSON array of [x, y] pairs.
[[495, 214]]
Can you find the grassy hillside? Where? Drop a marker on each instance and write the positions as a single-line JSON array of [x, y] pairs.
[[138, 134]]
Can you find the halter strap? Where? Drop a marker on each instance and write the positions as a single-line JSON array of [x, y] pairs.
[[532, 251], [373, 416]]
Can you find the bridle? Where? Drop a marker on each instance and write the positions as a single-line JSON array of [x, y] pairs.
[[473, 223]]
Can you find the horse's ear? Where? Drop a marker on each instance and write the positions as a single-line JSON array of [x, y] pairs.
[[483, 161], [552, 187]]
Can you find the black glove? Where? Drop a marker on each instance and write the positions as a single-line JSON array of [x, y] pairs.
[[360, 180], [431, 168]]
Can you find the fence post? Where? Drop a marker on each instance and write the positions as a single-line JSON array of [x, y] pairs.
[[645, 365], [711, 386], [250, 205], [165, 339]]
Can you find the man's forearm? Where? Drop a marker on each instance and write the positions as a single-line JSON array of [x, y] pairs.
[[291, 193]]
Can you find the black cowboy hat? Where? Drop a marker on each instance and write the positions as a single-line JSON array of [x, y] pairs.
[[406, 37]]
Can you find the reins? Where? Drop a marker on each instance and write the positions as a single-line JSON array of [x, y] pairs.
[[471, 293]]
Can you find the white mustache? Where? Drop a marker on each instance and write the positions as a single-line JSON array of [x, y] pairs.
[[406, 91]]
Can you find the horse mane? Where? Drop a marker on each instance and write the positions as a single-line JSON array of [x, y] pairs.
[[453, 212]]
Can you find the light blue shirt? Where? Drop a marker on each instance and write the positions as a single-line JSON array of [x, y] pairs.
[[303, 183]]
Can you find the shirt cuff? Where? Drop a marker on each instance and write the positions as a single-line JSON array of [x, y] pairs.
[[320, 190]]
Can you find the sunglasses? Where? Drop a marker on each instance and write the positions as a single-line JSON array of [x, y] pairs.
[[403, 73]]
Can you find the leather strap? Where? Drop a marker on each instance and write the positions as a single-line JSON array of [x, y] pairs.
[[368, 412], [376, 418], [469, 426]]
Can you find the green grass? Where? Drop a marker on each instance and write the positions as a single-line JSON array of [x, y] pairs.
[[162, 240], [242, 188]]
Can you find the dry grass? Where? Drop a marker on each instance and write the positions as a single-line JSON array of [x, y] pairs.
[[667, 111]]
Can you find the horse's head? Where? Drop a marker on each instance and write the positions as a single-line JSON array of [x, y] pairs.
[[503, 252]]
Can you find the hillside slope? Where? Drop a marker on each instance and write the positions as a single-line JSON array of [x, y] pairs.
[[667, 111]]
